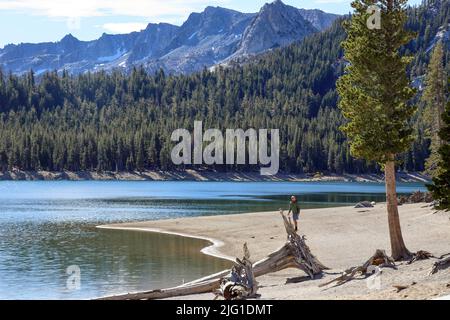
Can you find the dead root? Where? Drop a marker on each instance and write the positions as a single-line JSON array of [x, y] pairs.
[[420, 255], [441, 264], [379, 259]]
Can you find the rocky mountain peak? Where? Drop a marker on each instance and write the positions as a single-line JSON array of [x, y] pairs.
[[273, 4], [208, 38], [275, 25], [69, 43], [68, 39]]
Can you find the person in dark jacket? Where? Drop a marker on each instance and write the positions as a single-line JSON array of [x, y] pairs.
[[295, 209]]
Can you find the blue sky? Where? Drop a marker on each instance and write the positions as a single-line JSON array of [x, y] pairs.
[[50, 20]]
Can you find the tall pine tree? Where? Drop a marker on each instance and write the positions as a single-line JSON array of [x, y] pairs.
[[434, 98], [374, 94], [441, 184]]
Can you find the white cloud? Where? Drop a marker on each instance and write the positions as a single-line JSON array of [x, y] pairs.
[[96, 8], [124, 27]]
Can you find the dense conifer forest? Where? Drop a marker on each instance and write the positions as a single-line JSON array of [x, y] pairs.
[[123, 122]]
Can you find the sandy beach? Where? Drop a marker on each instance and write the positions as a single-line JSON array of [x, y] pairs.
[[340, 237]]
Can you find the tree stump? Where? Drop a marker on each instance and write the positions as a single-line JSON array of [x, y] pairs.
[[241, 282]]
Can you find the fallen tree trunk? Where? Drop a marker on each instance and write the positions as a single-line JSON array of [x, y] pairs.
[[379, 259], [294, 254], [184, 290]]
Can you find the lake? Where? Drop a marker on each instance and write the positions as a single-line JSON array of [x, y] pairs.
[[47, 230]]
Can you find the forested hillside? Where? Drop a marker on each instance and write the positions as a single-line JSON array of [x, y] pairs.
[[112, 121]]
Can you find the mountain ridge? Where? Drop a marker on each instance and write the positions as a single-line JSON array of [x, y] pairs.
[[205, 39], [122, 122]]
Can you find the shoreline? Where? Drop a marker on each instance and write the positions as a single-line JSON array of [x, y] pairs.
[[337, 243], [211, 250], [201, 175]]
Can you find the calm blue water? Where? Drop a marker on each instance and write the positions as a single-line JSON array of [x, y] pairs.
[[46, 227]]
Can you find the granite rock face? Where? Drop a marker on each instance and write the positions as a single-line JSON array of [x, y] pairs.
[[206, 39]]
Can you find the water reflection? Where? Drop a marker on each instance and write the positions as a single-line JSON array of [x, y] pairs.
[[111, 261], [45, 227]]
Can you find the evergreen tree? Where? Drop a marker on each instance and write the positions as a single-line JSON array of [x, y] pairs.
[[118, 121], [441, 183], [434, 99], [374, 93]]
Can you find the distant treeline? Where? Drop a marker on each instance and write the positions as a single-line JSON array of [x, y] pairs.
[[117, 122]]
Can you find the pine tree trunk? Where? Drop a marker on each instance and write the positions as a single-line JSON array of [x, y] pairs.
[[398, 248]]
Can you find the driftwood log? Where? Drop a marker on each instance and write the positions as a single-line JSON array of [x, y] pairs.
[[294, 254], [379, 259], [442, 264], [241, 284]]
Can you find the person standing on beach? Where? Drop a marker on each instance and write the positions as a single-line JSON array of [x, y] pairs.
[[295, 209]]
